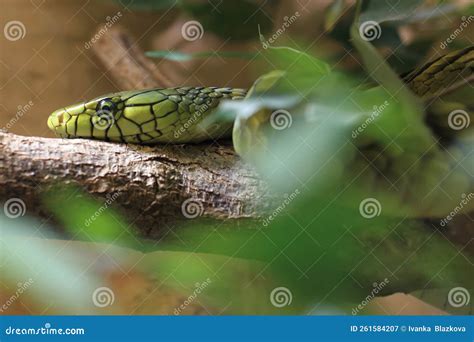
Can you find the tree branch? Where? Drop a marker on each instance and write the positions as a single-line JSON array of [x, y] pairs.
[[128, 65], [150, 184]]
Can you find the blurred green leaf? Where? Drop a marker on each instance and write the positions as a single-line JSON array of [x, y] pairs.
[[182, 56], [333, 14], [88, 219], [29, 254], [381, 72]]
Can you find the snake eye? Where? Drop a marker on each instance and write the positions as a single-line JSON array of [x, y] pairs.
[[106, 106]]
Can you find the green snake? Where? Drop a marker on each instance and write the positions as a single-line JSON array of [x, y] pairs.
[[172, 115]]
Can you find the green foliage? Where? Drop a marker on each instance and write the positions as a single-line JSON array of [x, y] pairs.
[[55, 274], [335, 11], [89, 220], [182, 56]]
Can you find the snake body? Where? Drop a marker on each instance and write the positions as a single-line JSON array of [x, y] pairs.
[[442, 74]]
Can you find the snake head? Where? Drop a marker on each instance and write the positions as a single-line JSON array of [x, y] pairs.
[[92, 119], [163, 115]]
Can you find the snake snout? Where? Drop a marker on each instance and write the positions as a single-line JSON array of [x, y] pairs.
[[57, 121]]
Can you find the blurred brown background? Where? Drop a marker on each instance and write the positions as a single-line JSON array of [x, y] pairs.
[[50, 66]]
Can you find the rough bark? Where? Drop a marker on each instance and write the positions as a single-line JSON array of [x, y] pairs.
[[150, 183]]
